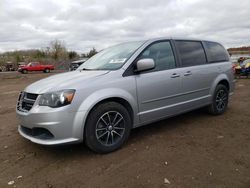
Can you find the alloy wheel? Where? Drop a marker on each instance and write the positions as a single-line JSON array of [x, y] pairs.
[[110, 128], [221, 100]]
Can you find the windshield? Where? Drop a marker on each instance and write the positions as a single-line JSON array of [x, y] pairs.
[[111, 58]]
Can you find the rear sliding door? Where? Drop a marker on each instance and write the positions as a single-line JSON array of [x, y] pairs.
[[197, 75]]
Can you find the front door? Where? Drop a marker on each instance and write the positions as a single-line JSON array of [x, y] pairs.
[[158, 90]]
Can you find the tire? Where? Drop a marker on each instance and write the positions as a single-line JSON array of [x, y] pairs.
[[107, 128], [46, 71], [24, 71], [220, 100]]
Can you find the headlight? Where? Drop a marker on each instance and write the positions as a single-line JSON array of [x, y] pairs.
[[57, 99]]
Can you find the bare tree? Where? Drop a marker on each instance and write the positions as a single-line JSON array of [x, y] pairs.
[[58, 50], [91, 53]]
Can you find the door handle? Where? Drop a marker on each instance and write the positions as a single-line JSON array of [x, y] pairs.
[[175, 75], [187, 73]]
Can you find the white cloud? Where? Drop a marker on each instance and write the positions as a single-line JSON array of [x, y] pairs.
[[85, 24]]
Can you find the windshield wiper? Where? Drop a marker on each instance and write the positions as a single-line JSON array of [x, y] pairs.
[[87, 69], [83, 69]]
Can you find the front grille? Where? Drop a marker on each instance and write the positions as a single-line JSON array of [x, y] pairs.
[[26, 101]]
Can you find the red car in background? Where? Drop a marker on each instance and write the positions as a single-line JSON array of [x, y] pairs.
[[35, 66]]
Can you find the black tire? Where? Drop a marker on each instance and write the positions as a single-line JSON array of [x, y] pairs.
[[220, 100], [24, 71], [46, 71], [108, 127]]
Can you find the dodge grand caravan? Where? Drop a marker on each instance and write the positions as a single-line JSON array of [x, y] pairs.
[[123, 87]]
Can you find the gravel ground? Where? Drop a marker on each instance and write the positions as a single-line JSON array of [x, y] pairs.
[[190, 150]]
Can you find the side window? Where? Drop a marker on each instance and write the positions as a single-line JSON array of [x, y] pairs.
[[162, 54], [34, 64], [216, 52], [191, 53]]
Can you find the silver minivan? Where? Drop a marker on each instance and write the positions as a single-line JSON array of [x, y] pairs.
[[123, 87]]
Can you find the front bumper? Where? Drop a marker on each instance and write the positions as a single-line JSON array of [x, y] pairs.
[[63, 126], [47, 141]]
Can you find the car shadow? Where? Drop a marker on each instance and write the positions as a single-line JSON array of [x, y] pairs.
[[181, 121], [137, 135]]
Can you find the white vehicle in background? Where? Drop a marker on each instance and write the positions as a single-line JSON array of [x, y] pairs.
[[75, 64]]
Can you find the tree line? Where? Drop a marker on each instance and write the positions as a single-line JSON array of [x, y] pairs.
[[56, 53], [239, 50]]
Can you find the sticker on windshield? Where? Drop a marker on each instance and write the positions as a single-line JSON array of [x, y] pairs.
[[118, 60]]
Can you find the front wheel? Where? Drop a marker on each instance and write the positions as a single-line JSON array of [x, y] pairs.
[[108, 127], [24, 71], [220, 100], [46, 70]]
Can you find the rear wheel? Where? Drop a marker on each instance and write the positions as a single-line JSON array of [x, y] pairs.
[[220, 100], [108, 127], [46, 70]]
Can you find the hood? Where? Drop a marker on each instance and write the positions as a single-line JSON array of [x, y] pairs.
[[62, 81]]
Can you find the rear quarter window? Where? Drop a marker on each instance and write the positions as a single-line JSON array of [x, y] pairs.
[[216, 52], [191, 53]]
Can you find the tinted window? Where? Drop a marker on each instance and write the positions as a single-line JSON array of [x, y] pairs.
[[216, 52], [162, 54], [191, 53]]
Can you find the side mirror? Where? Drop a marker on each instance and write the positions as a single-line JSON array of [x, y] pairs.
[[145, 64]]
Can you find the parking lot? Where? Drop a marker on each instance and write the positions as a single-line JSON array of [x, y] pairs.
[[191, 150]]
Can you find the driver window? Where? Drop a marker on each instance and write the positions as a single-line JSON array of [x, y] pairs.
[[162, 54]]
